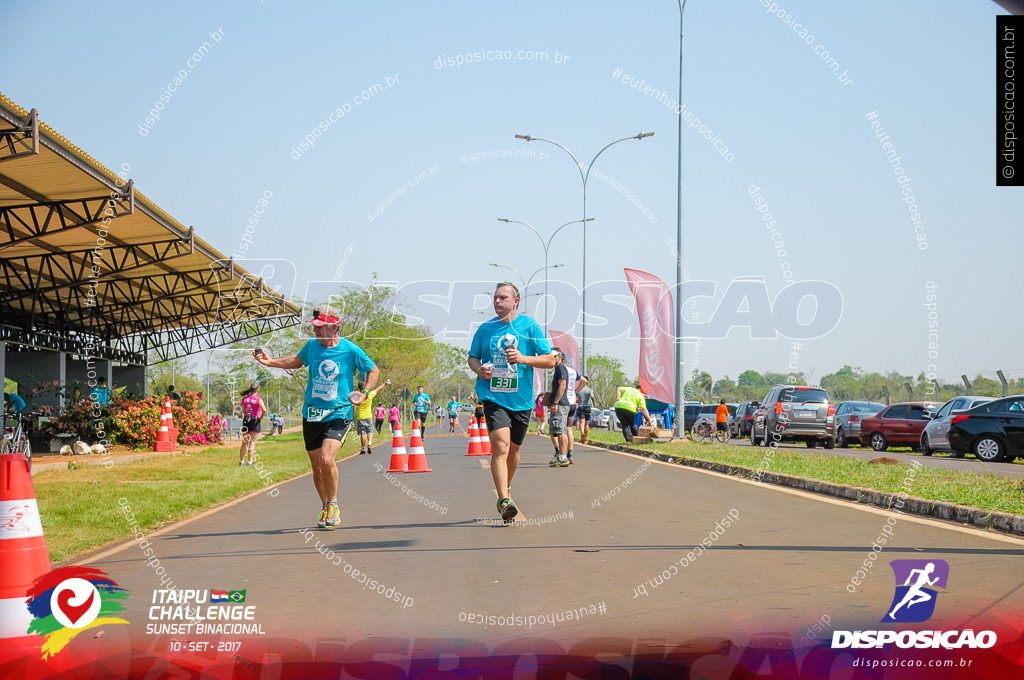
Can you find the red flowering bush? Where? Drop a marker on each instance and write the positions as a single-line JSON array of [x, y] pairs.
[[136, 422]]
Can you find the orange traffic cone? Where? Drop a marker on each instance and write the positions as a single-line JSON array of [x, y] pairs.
[[474, 439], [23, 555], [485, 440], [417, 456], [398, 457], [172, 431], [163, 437]]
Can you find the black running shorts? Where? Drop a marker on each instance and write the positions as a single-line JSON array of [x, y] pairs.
[[250, 424], [498, 417], [314, 434]]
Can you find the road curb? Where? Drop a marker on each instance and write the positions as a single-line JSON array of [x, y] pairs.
[[986, 519]]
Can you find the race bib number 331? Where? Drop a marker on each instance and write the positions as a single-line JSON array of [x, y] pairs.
[[505, 384]]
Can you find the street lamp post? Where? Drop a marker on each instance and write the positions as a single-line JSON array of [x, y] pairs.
[[546, 245], [584, 175], [208, 355], [526, 283], [679, 425]]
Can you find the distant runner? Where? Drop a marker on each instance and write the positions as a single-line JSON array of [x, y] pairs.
[[364, 418], [584, 405], [453, 414], [420, 406]]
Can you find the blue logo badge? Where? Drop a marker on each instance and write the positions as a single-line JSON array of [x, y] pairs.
[[916, 581]]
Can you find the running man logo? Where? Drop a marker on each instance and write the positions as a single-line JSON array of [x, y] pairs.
[[914, 601]]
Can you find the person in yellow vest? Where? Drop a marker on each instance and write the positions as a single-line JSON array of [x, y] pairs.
[[628, 401], [364, 417]]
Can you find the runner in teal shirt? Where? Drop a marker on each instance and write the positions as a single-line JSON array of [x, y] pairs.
[[504, 354]]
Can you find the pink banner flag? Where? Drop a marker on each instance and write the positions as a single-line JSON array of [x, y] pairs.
[[654, 307], [568, 345]]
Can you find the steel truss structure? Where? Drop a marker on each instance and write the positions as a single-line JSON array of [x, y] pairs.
[[90, 266]]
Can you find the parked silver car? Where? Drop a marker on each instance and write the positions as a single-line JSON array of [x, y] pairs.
[[848, 417], [935, 435], [603, 418]]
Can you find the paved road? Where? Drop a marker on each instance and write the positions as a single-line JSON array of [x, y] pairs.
[[784, 564], [940, 460]]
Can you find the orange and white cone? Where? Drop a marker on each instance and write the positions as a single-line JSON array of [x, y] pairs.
[[485, 439], [417, 456], [163, 436], [398, 457], [474, 439], [23, 554], [172, 431], [169, 410]]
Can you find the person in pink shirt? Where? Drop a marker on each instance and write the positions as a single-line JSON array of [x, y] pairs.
[[538, 413], [378, 415], [393, 416], [252, 408]]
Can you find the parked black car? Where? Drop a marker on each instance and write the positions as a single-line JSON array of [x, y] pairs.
[[691, 411], [795, 413], [743, 420], [993, 431]]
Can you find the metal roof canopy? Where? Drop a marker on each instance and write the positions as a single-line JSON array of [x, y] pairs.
[[90, 266]]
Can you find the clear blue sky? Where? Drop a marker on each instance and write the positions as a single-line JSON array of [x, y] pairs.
[[225, 136]]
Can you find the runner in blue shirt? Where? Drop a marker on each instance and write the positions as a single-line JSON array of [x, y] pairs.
[[420, 406], [504, 353], [327, 411], [453, 414]]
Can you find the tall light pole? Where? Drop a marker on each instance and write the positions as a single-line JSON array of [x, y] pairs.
[[547, 246], [208, 355], [679, 425], [584, 175]]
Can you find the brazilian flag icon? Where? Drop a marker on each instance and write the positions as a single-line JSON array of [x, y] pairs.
[[237, 596]]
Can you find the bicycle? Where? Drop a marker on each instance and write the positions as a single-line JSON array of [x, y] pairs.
[[702, 431], [14, 438]]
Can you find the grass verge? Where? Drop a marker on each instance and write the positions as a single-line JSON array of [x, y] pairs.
[[985, 491], [81, 509]]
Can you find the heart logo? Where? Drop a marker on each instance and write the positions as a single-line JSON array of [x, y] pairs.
[[74, 613]]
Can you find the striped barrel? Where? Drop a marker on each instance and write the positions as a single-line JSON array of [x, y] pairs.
[[23, 553]]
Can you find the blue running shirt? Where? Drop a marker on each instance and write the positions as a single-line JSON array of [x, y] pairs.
[[489, 344], [330, 378]]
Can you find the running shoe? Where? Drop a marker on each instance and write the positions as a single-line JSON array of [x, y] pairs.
[[570, 458], [241, 463], [507, 509], [562, 462], [322, 522], [333, 515], [554, 461], [369, 449]]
